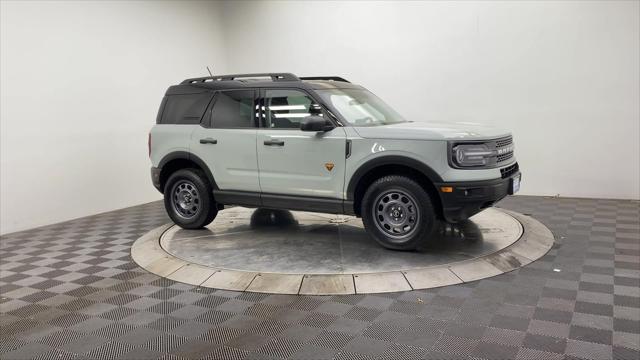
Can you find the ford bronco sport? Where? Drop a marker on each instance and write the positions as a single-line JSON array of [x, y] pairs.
[[321, 144]]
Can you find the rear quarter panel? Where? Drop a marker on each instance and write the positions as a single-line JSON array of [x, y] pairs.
[[166, 138]]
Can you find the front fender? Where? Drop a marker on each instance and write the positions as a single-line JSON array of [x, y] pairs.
[[387, 157]]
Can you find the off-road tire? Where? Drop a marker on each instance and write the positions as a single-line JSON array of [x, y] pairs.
[[405, 199], [192, 183]]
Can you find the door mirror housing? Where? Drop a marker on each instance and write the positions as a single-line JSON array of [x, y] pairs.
[[315, 123]]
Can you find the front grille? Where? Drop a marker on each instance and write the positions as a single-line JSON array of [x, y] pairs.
[[504, 149], [505, 157], [509, 170], [501, 153], [504, 142]]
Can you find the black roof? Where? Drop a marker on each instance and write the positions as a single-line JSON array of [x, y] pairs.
[[260, 80]]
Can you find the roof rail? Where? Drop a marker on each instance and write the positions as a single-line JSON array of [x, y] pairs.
[[334, 78], [273, 76]]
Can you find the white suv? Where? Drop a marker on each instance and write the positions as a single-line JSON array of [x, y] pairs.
[[321, 144]]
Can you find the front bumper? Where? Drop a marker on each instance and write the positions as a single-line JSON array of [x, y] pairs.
[[468, 198]]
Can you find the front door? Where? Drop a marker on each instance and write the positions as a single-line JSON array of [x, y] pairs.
[[226, 141], [295, 162]]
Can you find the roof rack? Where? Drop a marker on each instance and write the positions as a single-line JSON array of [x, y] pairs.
[[273, 76], [333, 78]]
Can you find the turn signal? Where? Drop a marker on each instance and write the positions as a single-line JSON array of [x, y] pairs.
[[446, 189]]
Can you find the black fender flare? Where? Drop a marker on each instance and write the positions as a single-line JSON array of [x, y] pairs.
[[390, 160], [184, 155]]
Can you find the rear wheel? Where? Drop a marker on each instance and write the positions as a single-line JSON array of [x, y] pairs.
[[398, 213], [188, 199]]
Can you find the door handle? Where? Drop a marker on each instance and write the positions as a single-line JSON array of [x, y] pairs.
[[274, 142], [208, 141]]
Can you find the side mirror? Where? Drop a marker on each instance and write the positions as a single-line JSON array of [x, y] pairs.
[[315, 123]]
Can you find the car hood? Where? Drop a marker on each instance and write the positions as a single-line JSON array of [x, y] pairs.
[[431, 131]]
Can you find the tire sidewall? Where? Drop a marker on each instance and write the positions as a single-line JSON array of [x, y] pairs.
[[427, 218], [207, 210]]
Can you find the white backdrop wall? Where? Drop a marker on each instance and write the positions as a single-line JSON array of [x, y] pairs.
[[81, 86], [81, 83], [563, 76]]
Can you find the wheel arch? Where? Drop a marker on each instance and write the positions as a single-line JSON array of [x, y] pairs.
[[376, 168], [181, 160]]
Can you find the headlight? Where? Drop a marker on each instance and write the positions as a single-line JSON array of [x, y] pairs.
[[472, 155]]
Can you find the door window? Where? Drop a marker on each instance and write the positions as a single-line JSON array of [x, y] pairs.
[[285, 109], [233, 110]]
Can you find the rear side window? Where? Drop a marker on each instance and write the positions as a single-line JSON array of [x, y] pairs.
[[185, 109], [233, 110]]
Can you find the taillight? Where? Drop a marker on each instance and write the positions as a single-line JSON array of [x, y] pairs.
[[149, 144]]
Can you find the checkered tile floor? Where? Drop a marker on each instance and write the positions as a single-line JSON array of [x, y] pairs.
[[71, 291]]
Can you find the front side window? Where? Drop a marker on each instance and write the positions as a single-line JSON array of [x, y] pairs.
[[284, 109], [233, 110], [360, 107]]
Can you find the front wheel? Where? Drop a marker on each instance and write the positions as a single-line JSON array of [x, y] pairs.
[[188, 199], [398, 213]]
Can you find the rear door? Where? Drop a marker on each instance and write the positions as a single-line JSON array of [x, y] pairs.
[[295, 162], [226, 141]]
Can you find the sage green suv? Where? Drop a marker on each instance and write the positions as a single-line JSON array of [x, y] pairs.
[[321, 144]]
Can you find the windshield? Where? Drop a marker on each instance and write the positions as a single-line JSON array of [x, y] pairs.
[[360, 107]]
